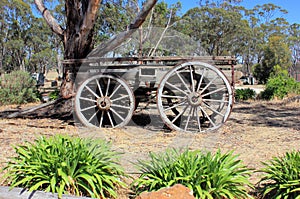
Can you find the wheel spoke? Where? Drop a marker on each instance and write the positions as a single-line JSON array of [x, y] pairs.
[[214, 91], [209, 84], [93, 115], [201, 79], [107, 87], [101, 119], [175, 87], [110, 119], [182, 112], [206, 115], [117, 114], [99, 87], [115, 91], [87, 99], [119, 98], [213, 100], [188, 119], [174, 106], [213, 110], [179, 76], [198, 118], [89, 89], [192, 79], [173, 96], [88, 108], [120, 106]]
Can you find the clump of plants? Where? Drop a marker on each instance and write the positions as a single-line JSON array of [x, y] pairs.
[[66, 165], [280, 86], [282, 177], [53, 95], [207, 175], [18, 87], [244, 94]]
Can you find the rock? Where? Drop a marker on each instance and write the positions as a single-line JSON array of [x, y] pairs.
[[177, 191]]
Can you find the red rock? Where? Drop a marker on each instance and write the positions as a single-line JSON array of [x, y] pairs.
[[177, 191]]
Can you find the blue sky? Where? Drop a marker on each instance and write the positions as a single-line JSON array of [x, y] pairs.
[[292, 6]]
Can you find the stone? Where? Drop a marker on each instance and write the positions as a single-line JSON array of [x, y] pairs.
[[177, 191]]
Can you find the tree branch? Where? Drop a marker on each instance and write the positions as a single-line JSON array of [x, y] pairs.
[[51, 21], [114, 42], [90, 18]]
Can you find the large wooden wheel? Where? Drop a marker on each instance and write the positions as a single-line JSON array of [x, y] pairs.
[[104, 101], [194, 97]]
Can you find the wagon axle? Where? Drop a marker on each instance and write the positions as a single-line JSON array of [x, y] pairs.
[[195, 99]]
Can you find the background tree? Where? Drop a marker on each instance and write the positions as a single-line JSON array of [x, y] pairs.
[[294, 43], [220, 30], [277, 57]]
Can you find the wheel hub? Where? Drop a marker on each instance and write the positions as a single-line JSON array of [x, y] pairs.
[[194, 99], [104, 103]]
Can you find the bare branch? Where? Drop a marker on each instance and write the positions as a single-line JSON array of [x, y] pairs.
[[51, 21], [162, 35], [114, 42]]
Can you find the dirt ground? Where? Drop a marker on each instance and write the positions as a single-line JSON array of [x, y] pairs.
[[256, 131]]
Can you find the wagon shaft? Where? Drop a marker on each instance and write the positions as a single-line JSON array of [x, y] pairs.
[[192, 94]]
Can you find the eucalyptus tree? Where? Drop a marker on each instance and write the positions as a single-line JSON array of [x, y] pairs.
[[264, 21], [221, 30], [277, 57], [15, 22], [294, 41]]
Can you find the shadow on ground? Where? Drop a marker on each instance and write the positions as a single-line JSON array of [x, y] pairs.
[[267, 114]]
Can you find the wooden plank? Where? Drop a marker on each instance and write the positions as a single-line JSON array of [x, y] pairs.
[[216, 59]]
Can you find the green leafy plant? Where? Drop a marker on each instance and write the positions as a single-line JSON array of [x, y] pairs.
[[280, 86], [18, 87], [207, 175], [53, 95], [66, 165], [244, 94], [282, 177]]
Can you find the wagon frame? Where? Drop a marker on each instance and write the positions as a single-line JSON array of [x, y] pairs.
[[192, 93]]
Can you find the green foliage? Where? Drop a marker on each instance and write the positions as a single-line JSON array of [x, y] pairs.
[[216, 28], [280, 86], [54, 94], [66, 165], [208, 175], [282, 177], [277, 57], [244, 94], [18, 88]]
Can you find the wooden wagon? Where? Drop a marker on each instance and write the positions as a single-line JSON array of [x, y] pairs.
[[192, 94]]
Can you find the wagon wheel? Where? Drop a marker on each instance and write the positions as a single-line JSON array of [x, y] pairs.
[[194, 97], [104, 101]]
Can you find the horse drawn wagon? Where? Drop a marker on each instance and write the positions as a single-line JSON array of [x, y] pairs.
[[192, 94]]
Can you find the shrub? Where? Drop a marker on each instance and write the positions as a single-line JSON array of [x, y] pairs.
[[244, 94], [282, 177], [18, 88], [208, 175], [280, 86], [66, 165]]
